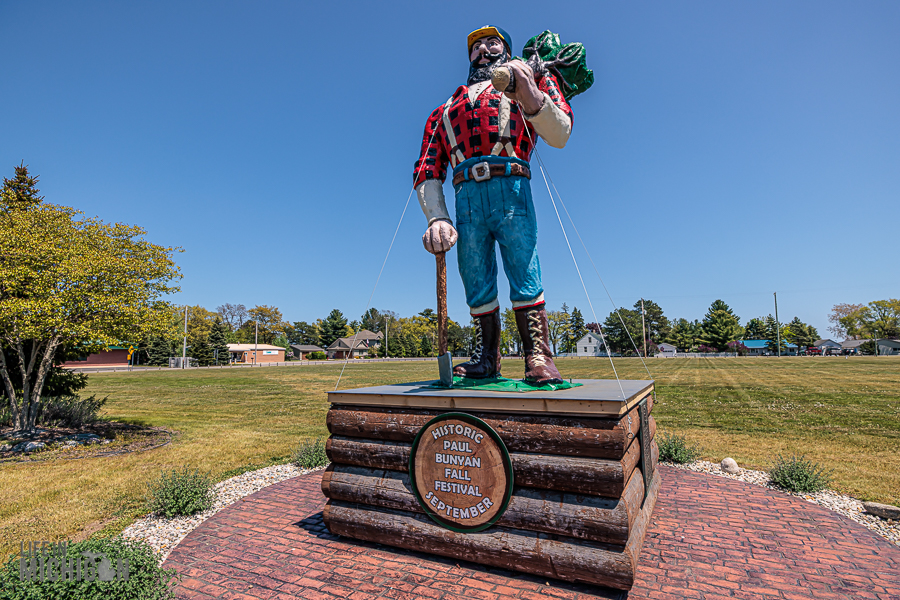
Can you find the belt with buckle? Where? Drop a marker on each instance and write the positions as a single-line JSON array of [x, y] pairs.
[[484, 170]]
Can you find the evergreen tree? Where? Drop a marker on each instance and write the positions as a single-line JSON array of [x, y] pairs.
[[333, 327], [282, 342], [201, 351], [373, 320], [577, 330], [720, 326], [655, 323], [800, 333], [425, 348], [617, 336], [755, 329], [20, 192], [218, 342], [457, 338], [410, 347], [772, 334], [685, 335], [159, 352], [303, 333]]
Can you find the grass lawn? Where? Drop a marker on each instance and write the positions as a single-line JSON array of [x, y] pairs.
[[844, 413]]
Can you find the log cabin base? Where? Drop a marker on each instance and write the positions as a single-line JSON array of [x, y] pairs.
[[581, 465]]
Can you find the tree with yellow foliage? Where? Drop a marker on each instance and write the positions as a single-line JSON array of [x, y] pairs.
[[67, 280]]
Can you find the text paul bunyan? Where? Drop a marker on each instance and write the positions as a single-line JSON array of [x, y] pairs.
[[457, 481]]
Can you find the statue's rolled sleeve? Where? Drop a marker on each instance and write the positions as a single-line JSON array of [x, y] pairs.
[[431, 198], [551, 123]]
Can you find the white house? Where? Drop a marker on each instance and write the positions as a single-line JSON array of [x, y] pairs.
[[666, 350], [590, 344]]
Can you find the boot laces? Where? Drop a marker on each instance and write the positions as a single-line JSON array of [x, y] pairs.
[[535, 332], [479, 344]]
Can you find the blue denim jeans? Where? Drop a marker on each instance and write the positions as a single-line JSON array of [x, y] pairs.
[[498, 210]]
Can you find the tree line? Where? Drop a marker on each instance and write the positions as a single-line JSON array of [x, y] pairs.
[[720, 330]]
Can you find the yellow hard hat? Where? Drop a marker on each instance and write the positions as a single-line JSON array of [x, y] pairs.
[[489, 31]]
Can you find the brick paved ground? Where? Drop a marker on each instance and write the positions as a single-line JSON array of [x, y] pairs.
[[711, 538]]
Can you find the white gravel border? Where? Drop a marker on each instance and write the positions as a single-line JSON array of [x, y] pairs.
[[843, 505], [164, 534]]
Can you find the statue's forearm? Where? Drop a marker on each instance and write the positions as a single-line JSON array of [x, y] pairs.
[[431, 199]]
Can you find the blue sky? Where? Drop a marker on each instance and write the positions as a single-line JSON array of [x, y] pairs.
[[727, 149]]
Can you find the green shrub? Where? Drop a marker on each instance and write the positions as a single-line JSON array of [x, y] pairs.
[[311, 454], [69, 411], [146, 579], [676, 449], [799, 475], [183, 492], [317, 355]]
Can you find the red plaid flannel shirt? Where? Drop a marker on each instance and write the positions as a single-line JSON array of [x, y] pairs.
[[476, 128]]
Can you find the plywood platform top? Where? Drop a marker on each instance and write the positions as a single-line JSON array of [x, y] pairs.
[[595, 397]]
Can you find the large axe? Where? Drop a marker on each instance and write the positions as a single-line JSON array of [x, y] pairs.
[[445, 362]]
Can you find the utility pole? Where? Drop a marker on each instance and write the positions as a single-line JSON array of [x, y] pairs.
[[256, 342], [385, 336], [184, 345], [643, 328], [777, 323]]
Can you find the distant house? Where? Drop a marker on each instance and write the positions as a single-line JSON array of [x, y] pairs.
[[666, 350], [371, 338], [301, 351], [591, 344], [885, 347], [255, 353], [761, 348], [114, 356], [826, 345], [361, 342], [888, 347]]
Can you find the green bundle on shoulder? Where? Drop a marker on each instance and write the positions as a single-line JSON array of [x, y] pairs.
[[568, 62]]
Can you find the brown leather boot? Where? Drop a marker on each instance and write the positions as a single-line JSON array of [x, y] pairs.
[[485, 361], [535, 333]]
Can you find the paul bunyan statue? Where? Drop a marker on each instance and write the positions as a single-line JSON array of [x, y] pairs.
[[487, 136]]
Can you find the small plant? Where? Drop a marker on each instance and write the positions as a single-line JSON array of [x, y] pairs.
[[69, 411], [311, 454], [146, 579], [676, 449], [316, 355], [799, 475], [183, 492]]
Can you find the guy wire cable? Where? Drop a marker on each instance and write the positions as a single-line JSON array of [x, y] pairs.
[[586, 251], [577, 270], [369, 303]]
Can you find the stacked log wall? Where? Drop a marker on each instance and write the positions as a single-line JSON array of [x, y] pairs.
[[578, 509]]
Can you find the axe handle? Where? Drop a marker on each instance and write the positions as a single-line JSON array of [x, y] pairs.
[[441, 259]]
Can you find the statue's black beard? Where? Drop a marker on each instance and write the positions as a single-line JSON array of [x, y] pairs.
[[479, 72]]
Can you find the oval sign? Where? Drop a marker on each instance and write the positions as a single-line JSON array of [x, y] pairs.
[[460, 472]]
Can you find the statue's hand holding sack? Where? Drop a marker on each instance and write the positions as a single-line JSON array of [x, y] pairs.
[[520, 86]]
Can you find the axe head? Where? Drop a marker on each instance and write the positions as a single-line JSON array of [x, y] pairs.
[[445, 368]]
